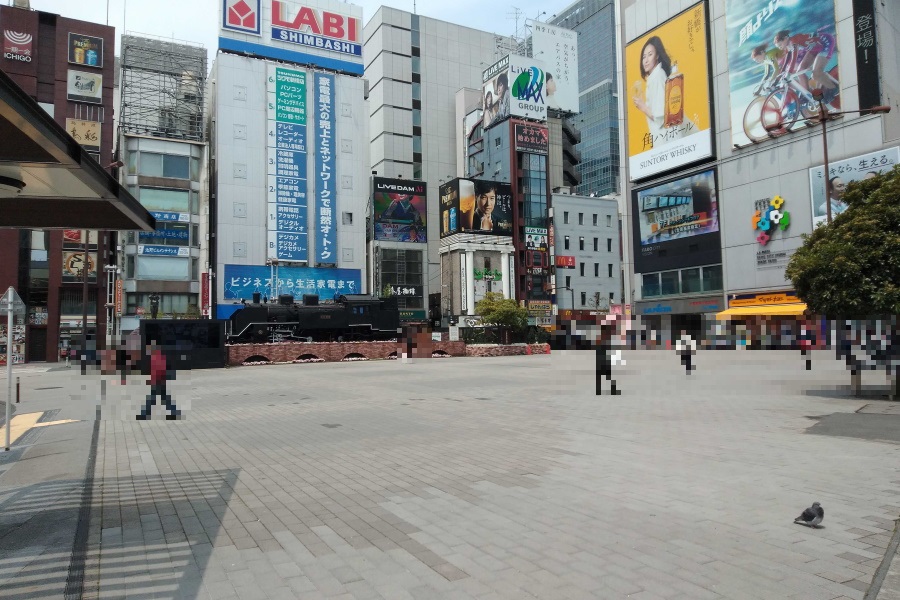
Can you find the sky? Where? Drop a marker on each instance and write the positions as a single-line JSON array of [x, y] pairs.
[[197, 20]]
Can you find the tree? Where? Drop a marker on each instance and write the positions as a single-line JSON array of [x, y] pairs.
[[505, 312], [851, 267]]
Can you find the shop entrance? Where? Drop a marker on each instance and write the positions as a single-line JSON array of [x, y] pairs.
[[37, 344]]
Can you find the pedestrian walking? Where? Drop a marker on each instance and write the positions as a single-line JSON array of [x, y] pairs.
[[685, 348], [603, 352], [807, 342], [160, 373]]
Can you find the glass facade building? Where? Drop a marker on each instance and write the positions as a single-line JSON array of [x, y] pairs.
[[594, 20]]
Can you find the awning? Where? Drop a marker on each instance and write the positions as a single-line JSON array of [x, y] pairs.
[[47, 180], [784, 310]]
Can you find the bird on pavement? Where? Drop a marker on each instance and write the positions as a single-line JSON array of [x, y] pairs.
[[812, 516]]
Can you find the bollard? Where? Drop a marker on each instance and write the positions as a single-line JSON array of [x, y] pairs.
[[17, 390]]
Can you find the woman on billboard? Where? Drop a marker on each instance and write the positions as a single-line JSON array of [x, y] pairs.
[[657, 71]]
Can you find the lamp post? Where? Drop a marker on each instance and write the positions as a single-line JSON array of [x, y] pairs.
[[823, 118]]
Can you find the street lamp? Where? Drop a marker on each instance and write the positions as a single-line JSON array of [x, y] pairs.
[[556, 291], [823, 118]]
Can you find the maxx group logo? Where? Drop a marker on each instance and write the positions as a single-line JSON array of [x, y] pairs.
[[242, 16]]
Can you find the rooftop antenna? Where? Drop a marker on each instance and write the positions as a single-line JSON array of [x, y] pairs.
[[515, 13]]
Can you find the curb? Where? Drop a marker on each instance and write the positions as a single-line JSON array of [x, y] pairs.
[[885, 566]]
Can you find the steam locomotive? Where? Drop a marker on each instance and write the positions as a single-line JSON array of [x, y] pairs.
[[351, 317]]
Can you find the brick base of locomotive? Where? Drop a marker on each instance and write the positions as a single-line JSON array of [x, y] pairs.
[[238, 354]]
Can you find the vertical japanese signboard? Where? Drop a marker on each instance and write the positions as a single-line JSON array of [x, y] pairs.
[[286, 164], [326, 176], [866, 46]]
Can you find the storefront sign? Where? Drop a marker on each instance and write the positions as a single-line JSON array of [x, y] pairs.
[[539, 307], [73, 263], [770, 216], [761, 299], [316, 28], [204, 294], [407, 291], [84, 87], [86, 133], [171, 216], [412, 314], [85, 50], [18, 46], [773, 259], [487, 275], [565, 262], [148, 250], [707, 304], [534, 139], [242, 280], [119, 296]]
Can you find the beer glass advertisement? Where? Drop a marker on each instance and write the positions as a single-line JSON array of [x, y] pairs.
[[778, 54], [676, 224], [842, 172], [85, 50], [476, 206], [558, 48], [400, 210], [668, 76]]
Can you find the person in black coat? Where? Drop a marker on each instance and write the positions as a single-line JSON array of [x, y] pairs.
[[603, 353]]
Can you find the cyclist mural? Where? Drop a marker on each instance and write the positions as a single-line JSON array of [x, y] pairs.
[[779, 53]]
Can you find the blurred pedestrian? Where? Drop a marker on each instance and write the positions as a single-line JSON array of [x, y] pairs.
[[685, 348], [603, 352], [160, 373]]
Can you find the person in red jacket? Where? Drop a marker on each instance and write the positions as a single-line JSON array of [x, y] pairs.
[[159, 374]]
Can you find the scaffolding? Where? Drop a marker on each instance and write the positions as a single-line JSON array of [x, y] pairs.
[[163, 85]]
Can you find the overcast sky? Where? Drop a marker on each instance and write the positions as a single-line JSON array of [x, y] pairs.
[[197, 20]]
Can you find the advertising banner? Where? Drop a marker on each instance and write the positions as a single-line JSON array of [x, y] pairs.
[[324, 33], [84, 87], [171, 216], [476, 206], [532, 138], [868, 83], [148, 250], [669, 117], [326, 173], [671, 218], [558, 48], [86, 133], [400, 210], [120, 296], [842, 172], [769, 42], [536, 238], [85, 50], [286, 164], [242, 280], [204, 294], [513, 87]]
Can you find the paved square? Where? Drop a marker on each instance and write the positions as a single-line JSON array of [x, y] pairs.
[[494, 478]]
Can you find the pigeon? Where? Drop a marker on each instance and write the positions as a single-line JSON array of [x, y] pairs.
[[812, 516]]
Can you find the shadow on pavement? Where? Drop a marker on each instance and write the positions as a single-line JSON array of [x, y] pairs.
[[873, 427]]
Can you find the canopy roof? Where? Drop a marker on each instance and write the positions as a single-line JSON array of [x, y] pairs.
[[63, 186]]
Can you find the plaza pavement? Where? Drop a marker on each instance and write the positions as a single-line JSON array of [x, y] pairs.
[[456, 478]]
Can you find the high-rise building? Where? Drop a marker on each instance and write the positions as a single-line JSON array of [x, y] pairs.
[[414, 66], [725, 150], [66, 65], [289, 137], [163, 145], [598, 124]]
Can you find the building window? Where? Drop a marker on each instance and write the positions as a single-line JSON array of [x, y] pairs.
[[581, 242], [596, 269], [608, 220], [595, 220], [581, 268], [169, 304], [166, 234], [712, 278], [195, 236], [165, 200], [566, 218], [566, 243], [609, 268], [650, 285], [129, 267], [690, 280], [568, 281], [581, 218], [596, 242], [165, 165], [669, 283], [195, 269], [583, 298], [497, 142], [611, 296], [347, 218], [609, 244]]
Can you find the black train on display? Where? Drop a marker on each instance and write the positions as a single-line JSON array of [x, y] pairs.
[[349, 318]]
